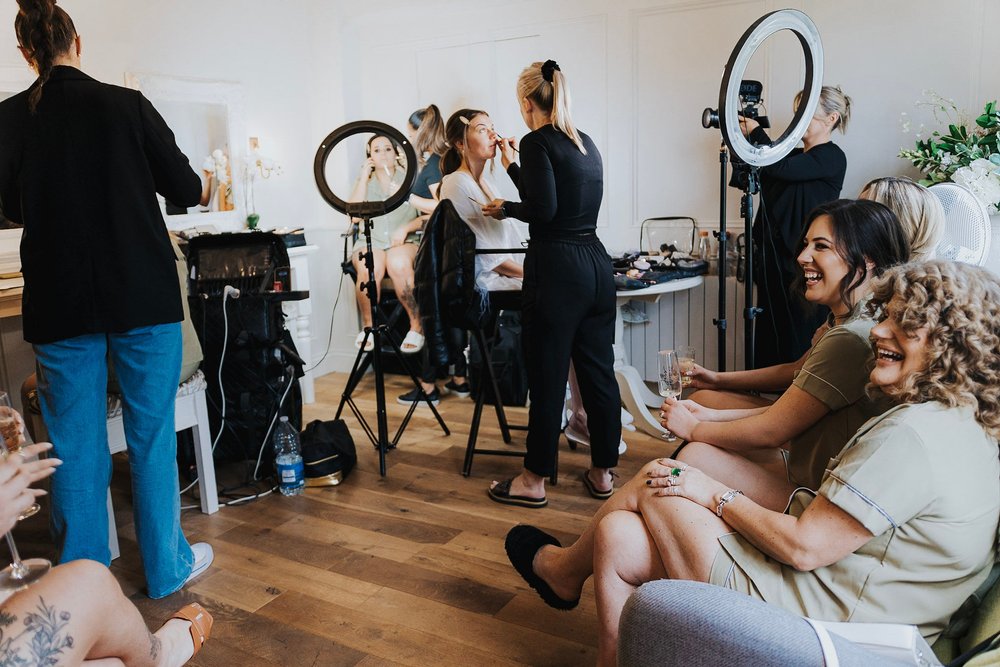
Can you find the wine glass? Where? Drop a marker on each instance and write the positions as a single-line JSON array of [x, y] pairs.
[[669, 379], [686, 355], [20, 573], [12, 440]]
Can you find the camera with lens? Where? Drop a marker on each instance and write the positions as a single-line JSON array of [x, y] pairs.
[[751, 93]]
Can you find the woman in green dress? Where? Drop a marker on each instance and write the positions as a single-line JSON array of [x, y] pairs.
[[903, 527]]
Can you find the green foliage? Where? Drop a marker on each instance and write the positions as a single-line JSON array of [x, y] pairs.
[[940, 156]]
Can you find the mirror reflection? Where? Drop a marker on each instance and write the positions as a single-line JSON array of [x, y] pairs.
[[202, 133], [374, 165]]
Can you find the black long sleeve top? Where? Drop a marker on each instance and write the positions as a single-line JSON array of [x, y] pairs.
[[794, 186], [561, 188], [81, 174]]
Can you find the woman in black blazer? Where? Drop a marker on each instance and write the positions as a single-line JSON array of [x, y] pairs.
[[80, 165]]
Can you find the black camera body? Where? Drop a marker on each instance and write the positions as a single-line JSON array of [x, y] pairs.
[[751, 94]]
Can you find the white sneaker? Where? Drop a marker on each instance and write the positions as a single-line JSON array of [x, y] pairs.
[[203, 557]]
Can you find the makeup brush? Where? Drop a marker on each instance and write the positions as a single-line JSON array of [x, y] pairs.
[[501, 139]]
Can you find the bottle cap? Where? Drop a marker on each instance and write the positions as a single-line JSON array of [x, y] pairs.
[[283, 418]]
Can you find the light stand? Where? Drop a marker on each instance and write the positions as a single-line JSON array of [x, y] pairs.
[[720, 322], [727, 119], [379, 330]]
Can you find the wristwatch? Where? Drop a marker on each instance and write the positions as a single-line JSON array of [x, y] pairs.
[[503, 209], [726, 497]]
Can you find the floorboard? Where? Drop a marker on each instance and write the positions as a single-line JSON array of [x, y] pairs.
[[408, 569]]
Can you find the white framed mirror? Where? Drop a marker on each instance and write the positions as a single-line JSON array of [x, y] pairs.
[[207, 120]]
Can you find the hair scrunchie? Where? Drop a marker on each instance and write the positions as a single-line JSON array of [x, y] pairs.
[[549, 67]]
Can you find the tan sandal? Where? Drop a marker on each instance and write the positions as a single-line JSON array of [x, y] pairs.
[[201, 624]]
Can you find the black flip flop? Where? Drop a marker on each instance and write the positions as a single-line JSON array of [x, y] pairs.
[[593, 491], [500, 493], [522, 543]]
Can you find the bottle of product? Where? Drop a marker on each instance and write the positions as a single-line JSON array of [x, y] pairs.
[[704, 248], [713, 258], [288, 459]]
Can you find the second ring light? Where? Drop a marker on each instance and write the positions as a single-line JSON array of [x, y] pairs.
[[729, 120], [364, 209]]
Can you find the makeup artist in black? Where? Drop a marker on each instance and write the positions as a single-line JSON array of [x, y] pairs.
[[568, 293]]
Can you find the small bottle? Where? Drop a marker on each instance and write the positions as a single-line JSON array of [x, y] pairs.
[[713, 258], [288, 459], [704, 248]]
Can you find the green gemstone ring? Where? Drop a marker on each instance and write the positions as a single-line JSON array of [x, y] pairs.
[[675, 472]]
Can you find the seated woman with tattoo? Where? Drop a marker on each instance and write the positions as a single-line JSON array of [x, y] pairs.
[[77, 614]]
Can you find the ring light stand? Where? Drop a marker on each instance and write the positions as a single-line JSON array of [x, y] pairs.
[[379, 331], [760, 156]]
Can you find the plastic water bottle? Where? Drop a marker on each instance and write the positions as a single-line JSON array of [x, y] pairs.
[[288, 459]]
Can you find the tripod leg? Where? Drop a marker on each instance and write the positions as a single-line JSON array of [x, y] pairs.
[[416, 383], [358, 370]]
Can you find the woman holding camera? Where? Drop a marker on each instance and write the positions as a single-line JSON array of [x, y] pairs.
[[790, 189]]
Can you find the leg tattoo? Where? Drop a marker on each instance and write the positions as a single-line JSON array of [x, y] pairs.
[[46, 637]]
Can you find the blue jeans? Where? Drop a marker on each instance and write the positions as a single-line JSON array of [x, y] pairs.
[[72, 388]]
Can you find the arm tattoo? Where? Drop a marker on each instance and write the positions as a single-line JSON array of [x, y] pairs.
[[45, 634]]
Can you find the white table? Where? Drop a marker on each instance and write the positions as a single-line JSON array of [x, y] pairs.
[[636, 396]]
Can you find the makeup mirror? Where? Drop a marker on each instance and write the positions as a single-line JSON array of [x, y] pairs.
[[207, 120]]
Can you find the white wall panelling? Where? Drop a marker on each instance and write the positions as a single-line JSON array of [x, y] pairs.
[[641, 72]]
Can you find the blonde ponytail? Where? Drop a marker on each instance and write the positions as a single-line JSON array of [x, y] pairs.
[[545, 85]]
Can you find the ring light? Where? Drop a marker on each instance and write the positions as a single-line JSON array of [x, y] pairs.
[[367, 208], [729, 120]]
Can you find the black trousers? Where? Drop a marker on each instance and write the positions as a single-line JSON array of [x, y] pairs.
[[569, 313], [785, 329]]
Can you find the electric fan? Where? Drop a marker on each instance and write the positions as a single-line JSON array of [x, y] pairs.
[[967, 231]]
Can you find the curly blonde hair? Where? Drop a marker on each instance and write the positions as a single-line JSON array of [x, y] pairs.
[[959, 304]]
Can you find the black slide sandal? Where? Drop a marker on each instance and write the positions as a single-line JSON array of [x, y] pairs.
[[500, 493], [522, 543]]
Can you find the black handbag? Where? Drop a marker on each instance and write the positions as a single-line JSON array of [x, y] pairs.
[[328, 452]]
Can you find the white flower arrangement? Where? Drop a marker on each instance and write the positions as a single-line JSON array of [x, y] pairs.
[[968, 154]]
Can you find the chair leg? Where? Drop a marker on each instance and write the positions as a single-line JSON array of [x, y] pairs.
[[487, 354], [112, 530], [203, 457], [470, 448]]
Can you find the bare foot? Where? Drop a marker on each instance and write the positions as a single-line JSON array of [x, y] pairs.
[[547, 566], [602, 479], [521, 487]]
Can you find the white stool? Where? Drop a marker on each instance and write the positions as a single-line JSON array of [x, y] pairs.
[[190, 411]]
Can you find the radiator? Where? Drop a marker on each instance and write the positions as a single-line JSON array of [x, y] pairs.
[[685, 318]]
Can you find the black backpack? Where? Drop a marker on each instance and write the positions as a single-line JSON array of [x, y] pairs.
[[508, 363]]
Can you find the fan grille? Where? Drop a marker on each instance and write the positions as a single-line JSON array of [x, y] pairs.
[[967, 225]]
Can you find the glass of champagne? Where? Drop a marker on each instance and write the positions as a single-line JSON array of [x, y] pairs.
[[12, 440], [20, 573], [669, 380], [686, 354]]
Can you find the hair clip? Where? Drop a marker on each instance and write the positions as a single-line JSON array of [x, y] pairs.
[[465, 121]]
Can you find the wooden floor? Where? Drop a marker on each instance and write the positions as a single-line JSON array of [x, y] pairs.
[[406, 569]]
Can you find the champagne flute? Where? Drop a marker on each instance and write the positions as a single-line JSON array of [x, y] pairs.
[[686, 354], [20, 573], [12, 440], [669, 380]]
